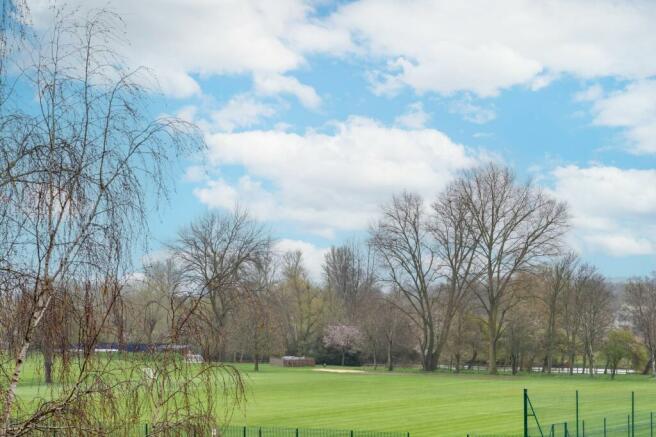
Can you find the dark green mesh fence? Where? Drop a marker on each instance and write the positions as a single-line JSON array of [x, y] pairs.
[[606, 412], [603, 410], [226, 431], [240, 431]]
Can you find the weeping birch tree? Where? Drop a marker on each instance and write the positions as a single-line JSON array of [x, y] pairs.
[[82, 157]]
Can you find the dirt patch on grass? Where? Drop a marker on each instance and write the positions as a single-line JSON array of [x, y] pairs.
[[339, 370]]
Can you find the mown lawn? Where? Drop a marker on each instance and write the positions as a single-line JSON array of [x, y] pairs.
[[438, 404]]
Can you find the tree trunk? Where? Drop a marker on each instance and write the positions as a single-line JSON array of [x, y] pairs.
[[473, 359], [492, 349], [390, 364], [513, 363], [591, 363], [10, 392], [256, 359], [47, 365], [584, 357], [551, 336], [572, 358], [343, 356], [458, 362], [429, 358]]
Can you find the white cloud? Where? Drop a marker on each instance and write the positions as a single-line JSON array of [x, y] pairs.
[[241, 111], [443, 47], [414, 118], [613, 209], [313, 256], [183, 40], [471, 111], [327, 182], [634, 109], [278, 84], [590, 94], [484, 47], [195, 173]]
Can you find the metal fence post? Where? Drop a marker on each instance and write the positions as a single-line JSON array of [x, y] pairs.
[[583, 428], [651, 424], [604, 427], [628, 425], [525, 413], [259, 432], [566, 433], [632, 414], [351, 433], [296, 432], [146, 429], [577, 413], [244, 431]]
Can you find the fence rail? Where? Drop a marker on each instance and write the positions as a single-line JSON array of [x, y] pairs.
[[146, 430], [253, 431]]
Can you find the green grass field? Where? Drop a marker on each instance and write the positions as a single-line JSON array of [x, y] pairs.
[[437, 404]]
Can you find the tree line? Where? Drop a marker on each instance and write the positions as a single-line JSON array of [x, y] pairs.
[[480, 276]]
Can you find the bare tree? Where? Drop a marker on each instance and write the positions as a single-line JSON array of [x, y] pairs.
[[403, 244], [640, 310], [349, 275], [214, 253], [255, 315], [455, 246], [300, 305], [168, 293], [596, 310], [517, 226], [521, 336], [558, 278]]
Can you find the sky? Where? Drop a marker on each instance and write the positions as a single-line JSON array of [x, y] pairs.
[[317, 112]]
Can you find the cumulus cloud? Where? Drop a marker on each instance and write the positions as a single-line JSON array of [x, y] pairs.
[[632, 108], [279, 84], [414, 118], [334, 181], [183, 40], [471, 111], [613, 209], [241, 111], [483, 48], [429, 46], [589, 94]]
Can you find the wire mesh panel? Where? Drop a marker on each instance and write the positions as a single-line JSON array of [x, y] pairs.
[[227, 431], [603, 411], [242, 431]]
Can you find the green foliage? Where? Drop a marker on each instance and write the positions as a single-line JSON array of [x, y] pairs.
[[621, 345]]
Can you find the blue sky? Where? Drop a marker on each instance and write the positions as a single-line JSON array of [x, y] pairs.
[[315, 112]]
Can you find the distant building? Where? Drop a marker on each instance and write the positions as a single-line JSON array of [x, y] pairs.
[[290, 361]]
